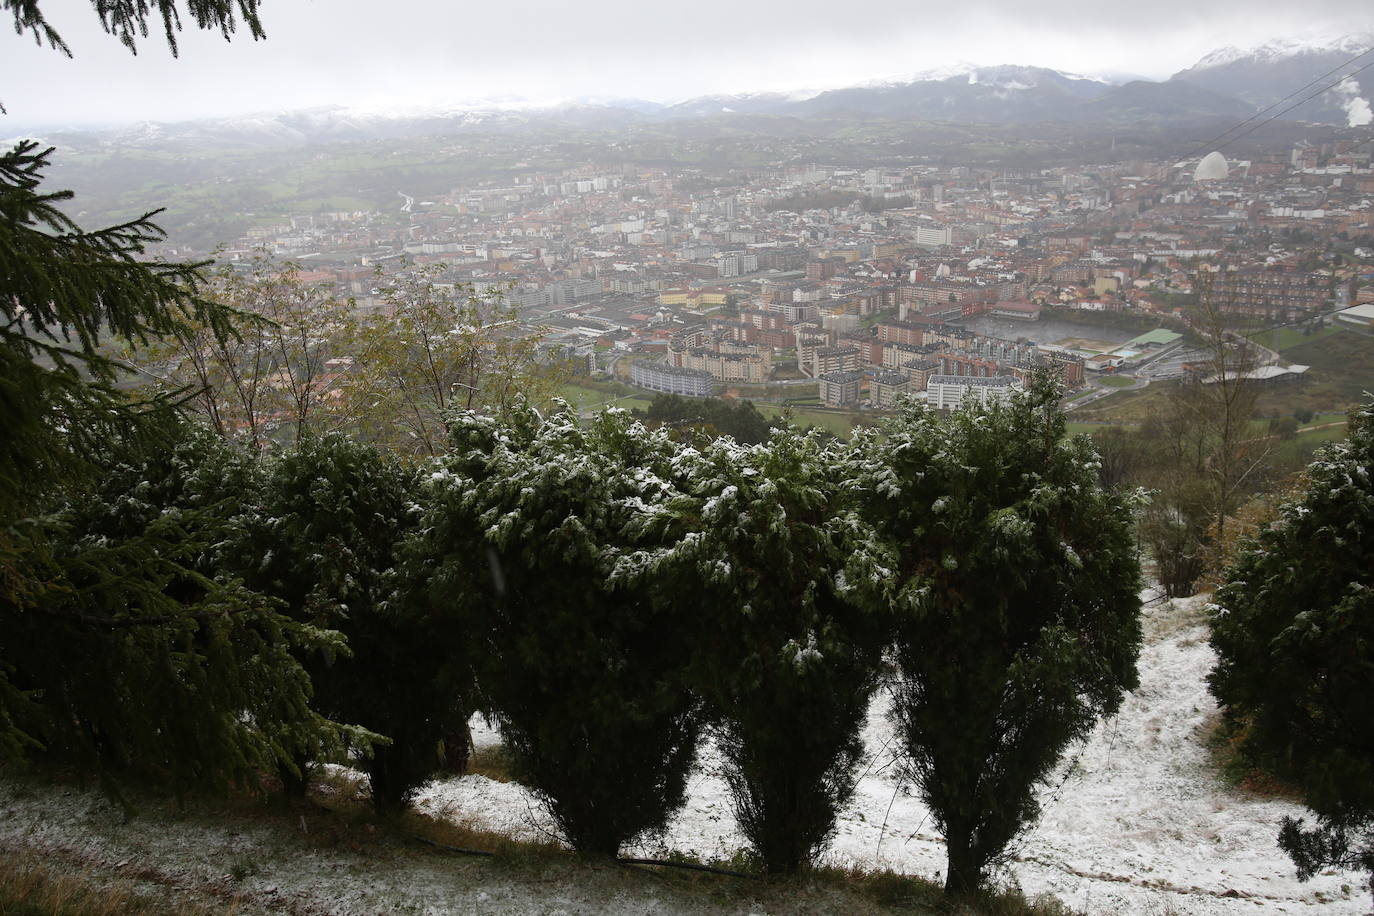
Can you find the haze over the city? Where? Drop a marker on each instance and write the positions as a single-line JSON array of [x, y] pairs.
[[424, 52]]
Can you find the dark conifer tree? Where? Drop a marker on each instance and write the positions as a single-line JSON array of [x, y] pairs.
[[325, 542], [783, 578], [62, 292], [1016, 609], [138, 653], [117, 646], [532, 520], [1294, 634]]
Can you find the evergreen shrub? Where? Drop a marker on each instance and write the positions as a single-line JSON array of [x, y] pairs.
[[1016, 601], [586, 680]]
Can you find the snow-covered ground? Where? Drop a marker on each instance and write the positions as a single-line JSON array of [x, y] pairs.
[[1137, 822]]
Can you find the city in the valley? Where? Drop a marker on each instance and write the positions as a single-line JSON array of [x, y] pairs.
[[826, 288]]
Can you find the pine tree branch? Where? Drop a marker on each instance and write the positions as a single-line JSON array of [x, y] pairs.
[[127, 20], [28, 18], [150, 621]]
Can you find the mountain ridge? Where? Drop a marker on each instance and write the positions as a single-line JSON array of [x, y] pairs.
[[1225, 83]]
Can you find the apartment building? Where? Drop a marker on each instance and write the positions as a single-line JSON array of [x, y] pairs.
[[835, 359], [950, 392], [840, 389], [671, 379], [887, 387]]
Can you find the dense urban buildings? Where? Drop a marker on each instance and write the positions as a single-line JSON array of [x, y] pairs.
[[677, 284]]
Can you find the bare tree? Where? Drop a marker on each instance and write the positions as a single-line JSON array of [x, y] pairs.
[[268, 377], [1206, 452], [434, 349], [1221, 401]]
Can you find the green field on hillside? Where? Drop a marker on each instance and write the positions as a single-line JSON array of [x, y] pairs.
[[1341, 370], [1282, 339], [841, 423], [583, 397]]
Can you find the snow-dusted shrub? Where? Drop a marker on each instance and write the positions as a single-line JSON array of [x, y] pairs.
[[585, 679], [1294, 634], [783, 576], [324, 541], [142, 652], [1015, 605]]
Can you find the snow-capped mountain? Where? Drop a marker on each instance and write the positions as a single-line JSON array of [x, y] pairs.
[[1227, 84], [986, 94], [737, 103], [1268, 73], [1280, 48], [966, 93], [955, 92]]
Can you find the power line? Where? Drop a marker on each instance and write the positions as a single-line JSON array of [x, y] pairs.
[[1280, 114], [1219, 138], [1301, 101]]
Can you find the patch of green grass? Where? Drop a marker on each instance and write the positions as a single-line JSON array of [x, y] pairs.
[[1126, 406], [1341, 370], [1074, 427], [582, 398], [837, 422], [1282, 339], [1296, 453], [762, 394], [590, 395], [1116, 381]]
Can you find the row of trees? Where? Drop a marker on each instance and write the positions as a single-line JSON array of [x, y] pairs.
[[606, 594]]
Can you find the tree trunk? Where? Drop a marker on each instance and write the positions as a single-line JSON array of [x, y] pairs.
[[457, 750], [294, 781], [965, 873]]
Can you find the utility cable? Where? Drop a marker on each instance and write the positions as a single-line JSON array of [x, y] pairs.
[[1275, 117], [1211, 144]]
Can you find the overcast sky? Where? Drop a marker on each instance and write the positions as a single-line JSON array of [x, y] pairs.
[[377, 53]]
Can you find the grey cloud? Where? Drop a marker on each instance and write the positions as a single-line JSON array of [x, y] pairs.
[[350, 51]]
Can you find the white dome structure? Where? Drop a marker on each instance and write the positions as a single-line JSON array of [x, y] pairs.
[[1212, 167]]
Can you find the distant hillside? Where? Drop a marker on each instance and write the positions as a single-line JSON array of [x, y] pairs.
[[978, 95], [1174, 101], [1227, 84]]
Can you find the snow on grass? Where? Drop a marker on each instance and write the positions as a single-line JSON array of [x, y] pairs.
[[249, 866], [1145, 817], [1137, 821]]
